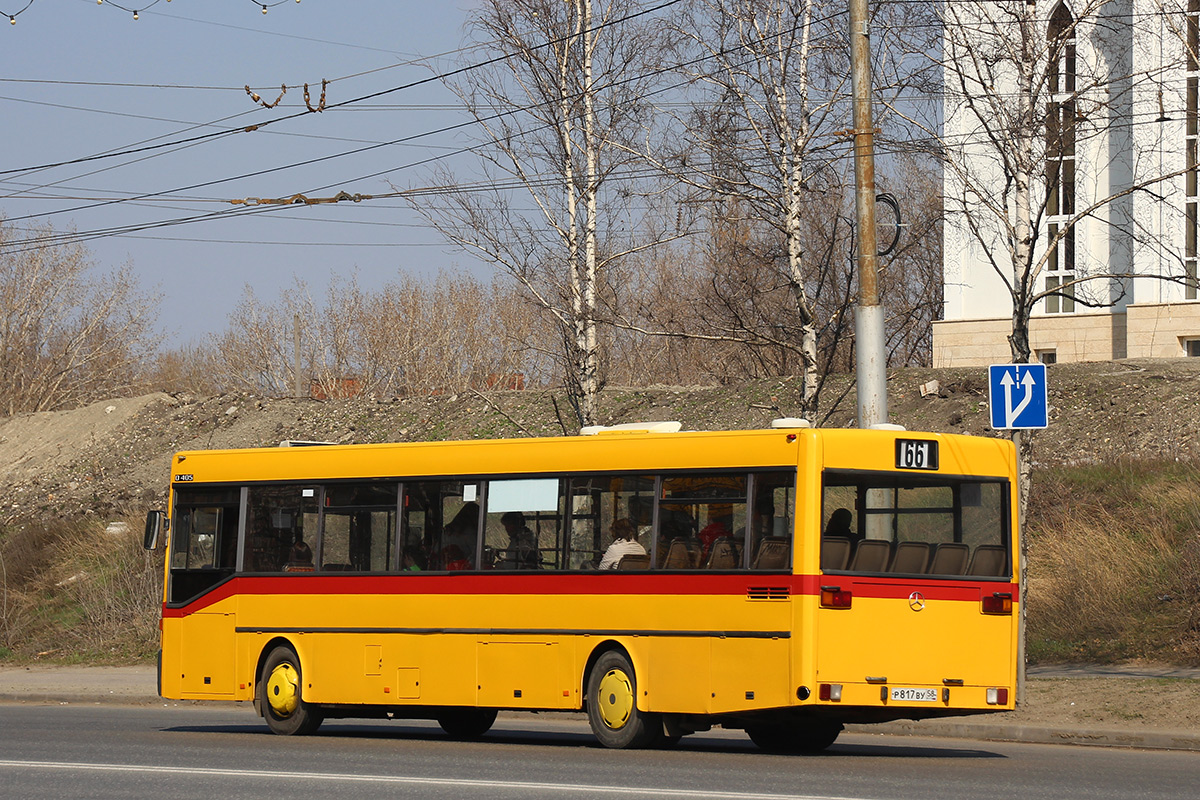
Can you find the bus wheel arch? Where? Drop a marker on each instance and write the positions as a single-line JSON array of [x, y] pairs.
[[611, 695], [279, 693], [607, 646]]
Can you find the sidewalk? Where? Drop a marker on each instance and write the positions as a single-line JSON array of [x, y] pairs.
[[137, 686]]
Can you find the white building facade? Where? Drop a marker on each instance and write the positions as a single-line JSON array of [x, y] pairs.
[[1107, 94]]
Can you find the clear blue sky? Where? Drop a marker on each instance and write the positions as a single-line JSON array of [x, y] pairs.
[[79, 79]]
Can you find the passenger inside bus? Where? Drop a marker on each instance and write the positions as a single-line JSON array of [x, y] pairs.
[[624, 543], [300, 558], [522, 551], [412, 559], [459, 537], [841, 524]]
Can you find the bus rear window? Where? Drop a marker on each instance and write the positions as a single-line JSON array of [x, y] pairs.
[[903, 524]]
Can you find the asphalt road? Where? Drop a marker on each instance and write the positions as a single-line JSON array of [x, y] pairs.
[[69, 751]]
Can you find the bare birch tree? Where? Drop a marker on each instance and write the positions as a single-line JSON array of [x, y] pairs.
[[765, 156], [551, 115]]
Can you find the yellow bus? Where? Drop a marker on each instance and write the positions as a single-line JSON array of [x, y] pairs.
[[783, 581]]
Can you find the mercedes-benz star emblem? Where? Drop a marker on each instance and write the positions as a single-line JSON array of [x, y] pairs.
[[916, 601]]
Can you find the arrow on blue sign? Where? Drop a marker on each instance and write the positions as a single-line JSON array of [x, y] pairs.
[[1017, 395]]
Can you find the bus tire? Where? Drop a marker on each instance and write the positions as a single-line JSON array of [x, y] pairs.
[[612, 705], [809, 737], [466, 723], [281, 696]]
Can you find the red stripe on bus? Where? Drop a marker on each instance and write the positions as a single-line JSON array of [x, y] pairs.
[[901, 588], [655, 583]]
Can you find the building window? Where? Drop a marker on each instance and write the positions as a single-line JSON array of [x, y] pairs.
[[1060, 163], [1191, 348], [1190, 147], [1046, 356]]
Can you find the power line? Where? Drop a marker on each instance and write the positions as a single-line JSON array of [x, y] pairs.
[[383, 92]]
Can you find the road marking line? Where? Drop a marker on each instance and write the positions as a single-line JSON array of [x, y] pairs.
[[402, 779]]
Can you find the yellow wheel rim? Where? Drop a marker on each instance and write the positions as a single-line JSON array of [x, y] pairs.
[[283, 690], [616, 698]]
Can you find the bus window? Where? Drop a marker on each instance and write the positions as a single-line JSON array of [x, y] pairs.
[[908, 525], [440, 524], [204, 547], [769, 539], [596, 503], [523, 527], [696, 512], [197, 530], [358, 527], [280, 521]]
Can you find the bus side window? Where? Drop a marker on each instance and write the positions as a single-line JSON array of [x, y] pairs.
[[597, 503], [523, 528], [439, 525], [769, 538], [359, 526], [275, 524]]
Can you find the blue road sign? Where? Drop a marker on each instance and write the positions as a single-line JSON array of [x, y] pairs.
[[1017, 396]]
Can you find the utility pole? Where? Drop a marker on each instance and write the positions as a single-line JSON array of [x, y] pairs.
[[868, 317]]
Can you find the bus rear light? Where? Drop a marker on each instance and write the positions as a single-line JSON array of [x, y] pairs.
[[997, 697], [834, 597], [830, 691], [998, 603]]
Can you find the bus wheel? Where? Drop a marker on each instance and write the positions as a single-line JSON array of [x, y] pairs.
[[466, 723], [612, 705], [811, 737], [281, 696]]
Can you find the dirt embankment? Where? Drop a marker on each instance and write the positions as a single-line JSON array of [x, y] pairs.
[[114, 455]]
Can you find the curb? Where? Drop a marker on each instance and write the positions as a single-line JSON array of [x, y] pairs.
[[112, 699], [1038, 734]]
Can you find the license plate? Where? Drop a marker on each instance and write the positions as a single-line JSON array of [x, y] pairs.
[[905, 695]]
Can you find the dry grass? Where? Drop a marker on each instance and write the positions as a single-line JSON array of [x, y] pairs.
[[90, 593], [1114, 564]]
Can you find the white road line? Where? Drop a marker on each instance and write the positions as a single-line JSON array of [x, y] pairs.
[[407, 780]]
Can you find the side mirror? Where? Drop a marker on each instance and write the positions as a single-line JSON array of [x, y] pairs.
[[154, 526]]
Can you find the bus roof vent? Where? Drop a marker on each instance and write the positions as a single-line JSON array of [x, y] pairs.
[[790, 422], [301, 443], [636, 427], [887, 426]]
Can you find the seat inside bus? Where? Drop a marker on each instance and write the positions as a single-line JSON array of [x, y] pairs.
[[772, 554], [910, 558], [949, 558], [634, 561], [988, 560], [872, 555], [724, 554], [835, 552]]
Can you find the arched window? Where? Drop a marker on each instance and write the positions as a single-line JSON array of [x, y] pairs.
[[1060, 160], [1192, 194]]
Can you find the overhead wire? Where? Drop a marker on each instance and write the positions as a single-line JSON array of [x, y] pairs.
[[393, 169], [383, 92], [499, 113]]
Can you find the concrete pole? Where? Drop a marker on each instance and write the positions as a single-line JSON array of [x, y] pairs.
[[868, 318]]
